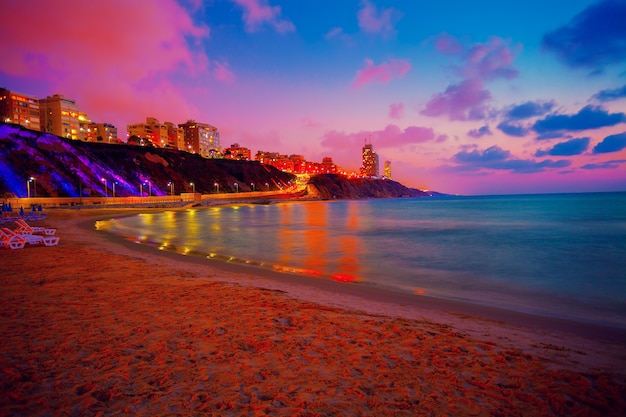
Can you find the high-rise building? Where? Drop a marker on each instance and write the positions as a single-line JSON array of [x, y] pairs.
[[370, 161], [202, 138], [60, 116], [19, 109], [388, 170]]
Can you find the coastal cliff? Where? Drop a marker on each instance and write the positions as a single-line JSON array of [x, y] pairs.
[[332, 186], [69, 168]]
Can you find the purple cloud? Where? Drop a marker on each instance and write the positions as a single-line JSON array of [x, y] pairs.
[[529, 109], [613, 143], [371, 20], [589, 117], [513, 129], [463, 101], [605, 165], [489, 60], [610, 95], [448, 44], [594, 38], [495, 158], [383, 73], [390, 136], [258, 12], [569, 148], [480, 132], [396, 110]]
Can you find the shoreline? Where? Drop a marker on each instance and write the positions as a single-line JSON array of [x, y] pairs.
[[385, 295], [474, 318], [99, 325]]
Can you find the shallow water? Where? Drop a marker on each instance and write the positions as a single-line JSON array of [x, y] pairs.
[[556, 255]]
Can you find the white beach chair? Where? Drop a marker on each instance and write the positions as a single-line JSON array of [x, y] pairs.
[[25, 228], [11, 242], [33, 239]]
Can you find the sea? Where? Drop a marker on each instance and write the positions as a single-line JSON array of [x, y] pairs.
[[553, 255]]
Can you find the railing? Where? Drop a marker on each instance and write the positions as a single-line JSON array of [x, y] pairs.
[[184, 198]]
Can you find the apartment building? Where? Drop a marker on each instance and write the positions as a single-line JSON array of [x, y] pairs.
[[60, 116], [201, 138], [19, 109]]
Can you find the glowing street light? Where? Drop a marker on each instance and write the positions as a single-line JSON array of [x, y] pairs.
[[105, 186], [237, 186], [217, 187], [31, 179], [193, 187], [171, 185], [114, 182], [252, 186], [267, 186]]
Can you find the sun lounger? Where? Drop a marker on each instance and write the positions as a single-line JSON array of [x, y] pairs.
[[33, 239], [25, 228], [11, 242]]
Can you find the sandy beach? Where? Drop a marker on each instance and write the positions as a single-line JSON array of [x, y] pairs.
[[99, 327]]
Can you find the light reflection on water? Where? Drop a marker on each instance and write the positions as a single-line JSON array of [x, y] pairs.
[[535, 254]]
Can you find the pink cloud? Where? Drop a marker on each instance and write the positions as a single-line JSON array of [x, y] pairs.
[[258, 12], [222, 72], [491, 60], [487, 61], [391, 136], [463, 101], [383, 73], [396, 110], [373, 21], [131, 62]]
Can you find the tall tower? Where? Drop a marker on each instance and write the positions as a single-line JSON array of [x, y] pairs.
[[369, 161], [388, 170]]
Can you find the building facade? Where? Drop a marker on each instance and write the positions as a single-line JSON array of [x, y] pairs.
[[237, 152], [369, 165], [60, 116], [101, 132], [388, 170], [201, 138], [19, 109]]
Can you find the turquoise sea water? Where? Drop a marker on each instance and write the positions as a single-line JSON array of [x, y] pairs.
[[558, 255]]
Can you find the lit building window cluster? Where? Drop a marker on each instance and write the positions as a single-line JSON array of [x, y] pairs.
[[60, 116], [55, 114], [296, 164], [237, 152]]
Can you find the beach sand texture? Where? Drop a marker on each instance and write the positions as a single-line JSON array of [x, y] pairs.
[[88, 330]]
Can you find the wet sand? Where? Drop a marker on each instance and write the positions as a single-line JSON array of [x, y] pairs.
[[95, 326]]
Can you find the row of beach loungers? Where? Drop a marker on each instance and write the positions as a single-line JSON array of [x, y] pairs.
[[25, 234]]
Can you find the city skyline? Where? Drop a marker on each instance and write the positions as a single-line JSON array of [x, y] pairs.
[[480, 98]]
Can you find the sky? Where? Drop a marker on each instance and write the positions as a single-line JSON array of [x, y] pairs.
[[463, 97]]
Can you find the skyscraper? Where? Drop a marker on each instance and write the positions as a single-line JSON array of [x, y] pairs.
[[370, 161]]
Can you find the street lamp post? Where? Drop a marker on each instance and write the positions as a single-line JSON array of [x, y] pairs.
[[171, 185], [105, 187], [217, 188], [149, 189], [193, 187], [267, 186], [141, 190], [114, 182], [237, 187], [252, 186]]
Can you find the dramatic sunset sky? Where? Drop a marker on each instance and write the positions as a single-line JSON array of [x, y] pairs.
[[466, 97]]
